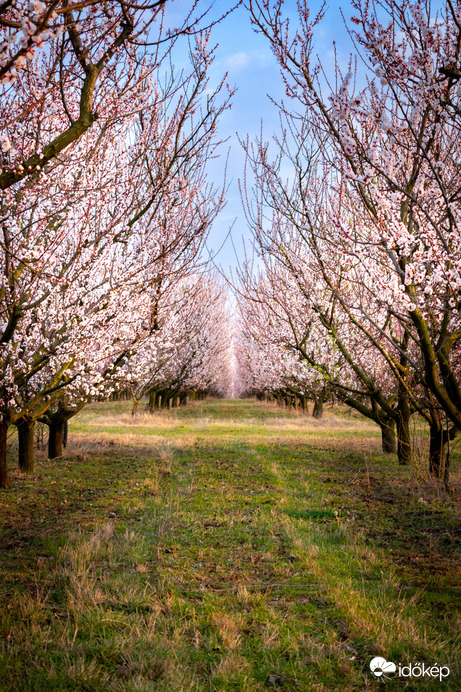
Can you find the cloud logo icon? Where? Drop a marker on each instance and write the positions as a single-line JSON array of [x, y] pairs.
[[379, 666]]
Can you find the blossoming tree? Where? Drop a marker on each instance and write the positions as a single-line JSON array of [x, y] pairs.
[[85, 238], [389, 141]]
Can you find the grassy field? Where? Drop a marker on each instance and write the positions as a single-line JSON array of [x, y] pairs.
[[229, 545]]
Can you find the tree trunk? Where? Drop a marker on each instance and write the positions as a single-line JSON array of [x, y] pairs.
[[436, 450], [55, 438], [318, 409], [65, 433], [403, 435], [388, 436], [4, 480], [152, 400], [446, 470], [403, 408], [26, 429]]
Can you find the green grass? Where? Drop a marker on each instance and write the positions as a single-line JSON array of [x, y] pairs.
[[228, 545]]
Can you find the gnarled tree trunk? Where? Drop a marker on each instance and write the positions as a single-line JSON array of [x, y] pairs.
[[439, 457], [437, 443], [403, 432], [55, 437], [388, 435], [26, 430], [4, 480], [318, 408]]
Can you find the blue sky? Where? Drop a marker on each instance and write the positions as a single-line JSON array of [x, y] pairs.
[[252, 69]]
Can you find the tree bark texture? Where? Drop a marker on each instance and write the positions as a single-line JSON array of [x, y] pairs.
[[26, 438], [403, 433], [437, 442], [55, 438], [439, 452], [388, 436], [318, 409], [4, 479]]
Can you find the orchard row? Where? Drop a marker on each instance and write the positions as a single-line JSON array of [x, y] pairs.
[[355, 209], [105, 208]]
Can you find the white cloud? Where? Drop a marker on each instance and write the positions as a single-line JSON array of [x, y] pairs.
[[237, 61]]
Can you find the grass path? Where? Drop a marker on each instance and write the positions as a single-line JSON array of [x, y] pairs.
[[229, 545]]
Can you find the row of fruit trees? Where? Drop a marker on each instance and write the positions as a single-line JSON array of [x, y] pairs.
[[105, 208], [355, 212]]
